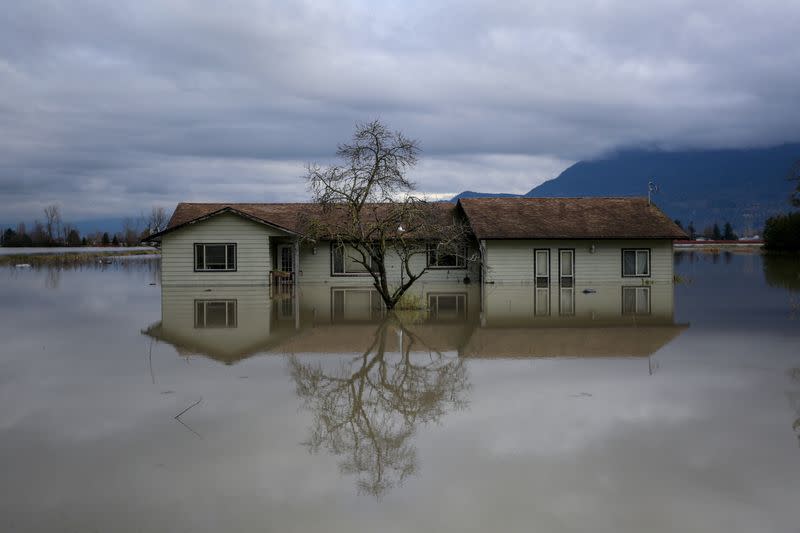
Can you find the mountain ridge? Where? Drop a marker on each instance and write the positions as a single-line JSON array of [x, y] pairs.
[[742, 186]]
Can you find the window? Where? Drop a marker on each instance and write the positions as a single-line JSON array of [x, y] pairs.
[[344, 261], [214, 257], [636, 263], [447, 306], [635, 300], [566, 302], [541, 268], [440, 256], [356, 305], [566, 268], [541, 302], [214, 314]]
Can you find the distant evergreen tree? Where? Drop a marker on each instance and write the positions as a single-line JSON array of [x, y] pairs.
[[73, 238], [728, 233], [782, 232], [106, 241], [8, 238], [678, 223], [691, 231], [115, 241], [84, 242], [716, 233]]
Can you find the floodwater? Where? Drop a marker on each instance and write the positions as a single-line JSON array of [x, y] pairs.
[[128, 407], [39, 250]]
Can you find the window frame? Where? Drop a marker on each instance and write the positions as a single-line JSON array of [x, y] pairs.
[[344, 274], [561, 310], [227, 302], [462, 306], [636, 289], [535, 268], [432, 250], [636, 252], [377, 310], [571, 276], [226, 245]]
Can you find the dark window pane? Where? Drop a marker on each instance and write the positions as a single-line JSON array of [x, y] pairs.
[[232, 257], [628, 300], [198, 257], [215, 256], [629, 263], [216, 314], [642, 263], [231, 314], [338, 260], [199, 314]]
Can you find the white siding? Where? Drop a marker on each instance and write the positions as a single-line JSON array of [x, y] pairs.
[[511, 261], [513, 304], [253, 309], [316, 268], [253, 252]]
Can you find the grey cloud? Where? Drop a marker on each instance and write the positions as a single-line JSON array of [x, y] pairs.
[[147, 101]]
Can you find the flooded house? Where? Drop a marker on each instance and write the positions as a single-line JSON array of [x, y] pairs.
[[551, 277], [542, 242]]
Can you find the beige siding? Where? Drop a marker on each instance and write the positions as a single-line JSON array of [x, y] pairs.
[[513, 304], [252, 327], [253, 252], [316, 268], [511, 261]]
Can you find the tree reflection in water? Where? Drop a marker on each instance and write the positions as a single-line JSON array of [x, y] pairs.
[[367, 410]]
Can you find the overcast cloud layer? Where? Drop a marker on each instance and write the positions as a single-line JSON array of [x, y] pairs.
[[109, 108]]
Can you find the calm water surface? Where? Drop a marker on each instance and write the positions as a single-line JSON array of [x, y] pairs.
[[39, 250], [127, 408]]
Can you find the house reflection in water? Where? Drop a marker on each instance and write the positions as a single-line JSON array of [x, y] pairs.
[[232, 323], [404, 370]]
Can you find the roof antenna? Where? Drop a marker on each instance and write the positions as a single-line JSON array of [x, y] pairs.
[[651, 188]]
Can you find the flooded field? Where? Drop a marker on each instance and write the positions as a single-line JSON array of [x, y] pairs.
[[128, 407]]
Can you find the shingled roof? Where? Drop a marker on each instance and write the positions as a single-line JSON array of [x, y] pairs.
[[292, 218], [489, 218], [568, 218]]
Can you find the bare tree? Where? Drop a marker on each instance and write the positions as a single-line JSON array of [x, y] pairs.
[[157, 220], [131, 232], [52, 224], [368, 411], [367, 209]]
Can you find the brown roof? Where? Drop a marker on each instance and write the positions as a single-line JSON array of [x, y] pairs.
[[284, 216], [289, 217], [568, 218], [489, 218]]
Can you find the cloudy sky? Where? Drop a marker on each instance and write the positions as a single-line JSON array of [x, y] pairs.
[[109, 108]]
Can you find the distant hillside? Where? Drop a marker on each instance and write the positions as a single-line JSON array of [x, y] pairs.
[[473, 194], [703, 186]]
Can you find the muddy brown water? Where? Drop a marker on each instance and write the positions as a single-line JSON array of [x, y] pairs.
[[125, 407]]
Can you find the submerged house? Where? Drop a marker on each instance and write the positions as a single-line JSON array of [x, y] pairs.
[[541, 242]]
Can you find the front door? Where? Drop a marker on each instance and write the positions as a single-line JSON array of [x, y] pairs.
[[286, 257]]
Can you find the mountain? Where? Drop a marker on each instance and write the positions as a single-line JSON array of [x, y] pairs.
[[742, 186], [473, 194]]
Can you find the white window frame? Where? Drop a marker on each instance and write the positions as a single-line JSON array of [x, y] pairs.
[[638, 299], [230, 266], [571, 275], [335, 248], [201, 319], [637, 252], [432, 258], [340, 295], [460, 307]]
